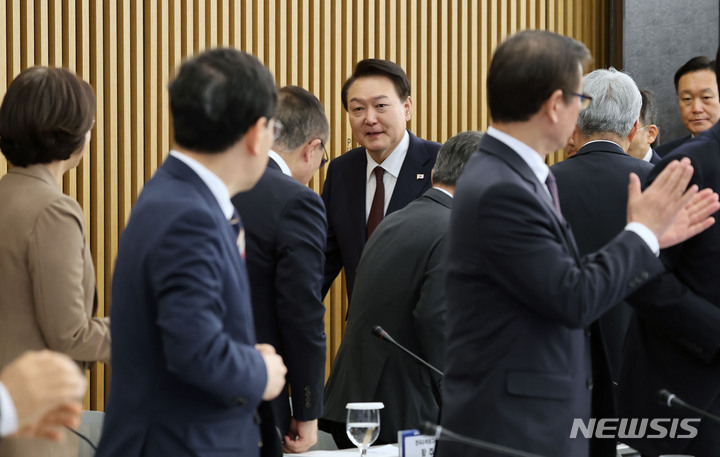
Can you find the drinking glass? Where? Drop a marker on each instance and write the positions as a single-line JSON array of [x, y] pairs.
[[363, 424]]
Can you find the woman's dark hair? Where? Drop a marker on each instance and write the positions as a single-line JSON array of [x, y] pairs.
[[45, 116]]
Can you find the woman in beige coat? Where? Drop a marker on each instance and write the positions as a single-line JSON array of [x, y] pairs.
[[47, 279]]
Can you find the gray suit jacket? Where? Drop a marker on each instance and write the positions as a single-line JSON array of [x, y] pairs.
[[47, 283], [400, 285]]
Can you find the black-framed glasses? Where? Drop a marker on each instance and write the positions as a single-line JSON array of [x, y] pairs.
[[325, 157], [585, 100], [277, 129]]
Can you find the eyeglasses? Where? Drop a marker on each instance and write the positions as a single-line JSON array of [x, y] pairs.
[[585, 100], [277, 129], [325, 158]]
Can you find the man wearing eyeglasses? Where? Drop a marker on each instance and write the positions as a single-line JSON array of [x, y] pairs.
[[285, 231], [519, 295], [593, 189], [647, 131]]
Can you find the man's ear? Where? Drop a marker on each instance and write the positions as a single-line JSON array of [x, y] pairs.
[[634, 130], [652, 131], [308, 148], [552, 105], [407, 108], [254, 136]]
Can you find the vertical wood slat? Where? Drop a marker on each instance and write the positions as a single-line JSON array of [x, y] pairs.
[[130, 50]]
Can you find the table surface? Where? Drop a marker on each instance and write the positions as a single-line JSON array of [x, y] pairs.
[[387, 450]]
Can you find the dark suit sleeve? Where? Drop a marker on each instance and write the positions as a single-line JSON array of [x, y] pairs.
[[187, 275], [333, 257], [429, 313], [520, 241], [672, 306], [299, 307]]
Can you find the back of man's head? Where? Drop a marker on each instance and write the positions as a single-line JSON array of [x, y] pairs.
[[527, 68], [648, 112], [302, 116], [615, 106], [453, 156], [217, 96], [378, 67], [698, 63]]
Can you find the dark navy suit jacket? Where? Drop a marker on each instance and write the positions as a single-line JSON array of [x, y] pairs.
[[666, 148], [674, 338], [186, 378], [285, 232], [344, 197], [655, 159], [519, 296], [593, 188]]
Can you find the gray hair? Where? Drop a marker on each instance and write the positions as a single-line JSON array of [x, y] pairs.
[[453, 156], [302, 116], [615, 106]]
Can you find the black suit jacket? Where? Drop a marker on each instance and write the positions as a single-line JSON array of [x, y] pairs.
[[674, 339], [344, 197], [655, 159], [400, 285], [285, 232], [593, 188], [519, 295], [666, 148]]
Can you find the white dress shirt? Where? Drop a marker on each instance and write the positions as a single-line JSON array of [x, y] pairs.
[[392, 166]]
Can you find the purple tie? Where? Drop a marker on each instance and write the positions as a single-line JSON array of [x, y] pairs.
[[378, 203], [552, 187]]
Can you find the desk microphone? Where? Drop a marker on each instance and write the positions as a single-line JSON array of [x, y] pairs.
[[669, 399], [440, 433], [385, 336]]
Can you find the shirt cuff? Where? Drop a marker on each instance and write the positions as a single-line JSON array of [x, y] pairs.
[[8, 415], [646, 234]]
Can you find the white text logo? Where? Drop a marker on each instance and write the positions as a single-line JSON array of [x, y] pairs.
[[635, 428]]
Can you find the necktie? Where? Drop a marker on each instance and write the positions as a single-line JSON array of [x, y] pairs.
[[378, 203], [237, 226], [552, 187]]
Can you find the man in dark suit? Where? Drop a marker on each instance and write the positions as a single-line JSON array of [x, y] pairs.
[[674, 338], [593, 189], [400, 285], [647, 131], [517, 363], [285, 233], [377, 99], [697, 91], [187, 375]]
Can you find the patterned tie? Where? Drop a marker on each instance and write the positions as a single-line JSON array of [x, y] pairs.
[[237, 226], [552, 187], [378, 203]]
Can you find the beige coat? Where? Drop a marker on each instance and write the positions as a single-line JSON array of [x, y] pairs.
[[47, 284]]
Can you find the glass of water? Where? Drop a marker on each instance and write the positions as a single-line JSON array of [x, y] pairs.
[[363, 424]]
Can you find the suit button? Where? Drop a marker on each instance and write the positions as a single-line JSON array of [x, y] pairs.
[[238, 400], [633, 283], [644, 275], [307, 404], [589, 384]]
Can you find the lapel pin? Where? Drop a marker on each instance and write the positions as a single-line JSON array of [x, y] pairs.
[[420, 176]]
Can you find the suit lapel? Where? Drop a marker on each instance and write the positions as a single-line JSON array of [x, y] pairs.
[[502, 151], [414, 175]]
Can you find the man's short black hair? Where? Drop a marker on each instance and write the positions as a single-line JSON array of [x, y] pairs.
[[527, 68], [217, 96], [378, 67], [698, 63], [45, 116]]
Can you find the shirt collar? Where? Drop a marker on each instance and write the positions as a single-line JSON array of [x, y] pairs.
[[444, 191], [212, 181], [394, 161], [648, 155], [281, 162], [528, 154]]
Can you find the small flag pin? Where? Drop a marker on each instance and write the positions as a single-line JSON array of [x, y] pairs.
[[420, 176]]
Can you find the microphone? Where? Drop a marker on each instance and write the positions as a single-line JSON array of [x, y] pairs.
[[669, 399], [385, 336], [440, 433]]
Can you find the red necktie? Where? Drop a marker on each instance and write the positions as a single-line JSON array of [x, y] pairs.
[[378, 203]]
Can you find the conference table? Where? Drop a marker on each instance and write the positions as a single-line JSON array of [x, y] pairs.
[[387, 450]]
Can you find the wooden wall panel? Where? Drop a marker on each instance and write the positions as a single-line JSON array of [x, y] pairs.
[[129, 50]]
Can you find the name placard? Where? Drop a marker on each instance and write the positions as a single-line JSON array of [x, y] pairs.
[[412, 444]]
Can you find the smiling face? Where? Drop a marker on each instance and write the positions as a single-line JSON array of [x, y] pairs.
[[377, 115], [698, 100]]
